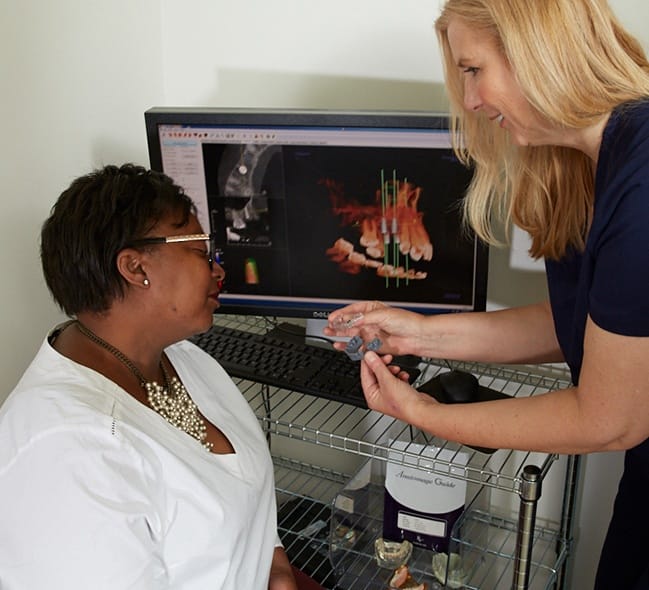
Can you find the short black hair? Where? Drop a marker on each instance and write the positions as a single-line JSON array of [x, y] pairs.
[[95, 218]]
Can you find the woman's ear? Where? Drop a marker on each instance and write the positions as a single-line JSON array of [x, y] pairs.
[[129, 264]]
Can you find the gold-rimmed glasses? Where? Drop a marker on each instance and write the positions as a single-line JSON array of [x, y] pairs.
[[208, 238]]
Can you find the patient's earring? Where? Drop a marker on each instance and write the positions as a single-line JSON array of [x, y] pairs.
[[145, 282]]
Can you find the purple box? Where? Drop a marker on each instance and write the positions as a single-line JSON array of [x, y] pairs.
[[422, 506]]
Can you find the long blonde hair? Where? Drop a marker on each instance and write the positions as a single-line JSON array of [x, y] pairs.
[[574, 63]]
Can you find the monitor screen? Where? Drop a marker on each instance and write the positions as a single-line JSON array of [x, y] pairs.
[[312, 210]]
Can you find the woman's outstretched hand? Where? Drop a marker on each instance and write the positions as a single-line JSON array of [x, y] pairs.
[[397, 329]]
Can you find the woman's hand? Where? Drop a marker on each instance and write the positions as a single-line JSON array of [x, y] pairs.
[[388, 392], [397, 329], [281, 574]]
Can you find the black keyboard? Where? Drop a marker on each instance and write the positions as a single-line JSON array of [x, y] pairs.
[[277, 359]]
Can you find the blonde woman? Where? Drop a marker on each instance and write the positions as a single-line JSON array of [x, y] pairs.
[[550, 103]]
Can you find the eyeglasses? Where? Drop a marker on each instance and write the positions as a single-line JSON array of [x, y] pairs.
[[209, 238]]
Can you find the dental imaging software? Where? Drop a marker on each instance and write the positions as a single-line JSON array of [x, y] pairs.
[[313, 210]]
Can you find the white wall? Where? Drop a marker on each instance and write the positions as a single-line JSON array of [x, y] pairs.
[[77, 76]]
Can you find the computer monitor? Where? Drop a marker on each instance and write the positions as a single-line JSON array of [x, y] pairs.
[[312, 210]]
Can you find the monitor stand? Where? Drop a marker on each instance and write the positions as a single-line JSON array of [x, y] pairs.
[[313, 333], [316, 336]]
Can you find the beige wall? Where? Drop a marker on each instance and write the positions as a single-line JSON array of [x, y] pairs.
[[77, 76]]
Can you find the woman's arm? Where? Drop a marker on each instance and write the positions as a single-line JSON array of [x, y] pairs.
[[517, 335], [608, 411]]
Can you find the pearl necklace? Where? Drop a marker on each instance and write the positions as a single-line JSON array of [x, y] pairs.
[[171, 401]]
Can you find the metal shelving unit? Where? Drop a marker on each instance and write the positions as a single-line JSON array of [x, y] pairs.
[[505, 550]]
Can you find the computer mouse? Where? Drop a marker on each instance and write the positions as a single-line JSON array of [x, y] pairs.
[[456, 387], [459, 387]]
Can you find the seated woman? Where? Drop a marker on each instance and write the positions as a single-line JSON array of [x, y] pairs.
[[128, 457]]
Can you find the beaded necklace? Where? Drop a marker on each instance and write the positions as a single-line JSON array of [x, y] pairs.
[[171, 401]]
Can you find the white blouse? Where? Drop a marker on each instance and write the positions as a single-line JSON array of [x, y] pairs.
[[99, 491]]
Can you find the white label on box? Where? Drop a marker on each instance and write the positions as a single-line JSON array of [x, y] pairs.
[[425, 526]]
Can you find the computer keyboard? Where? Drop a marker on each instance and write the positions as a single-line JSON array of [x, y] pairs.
[[282, 362]]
